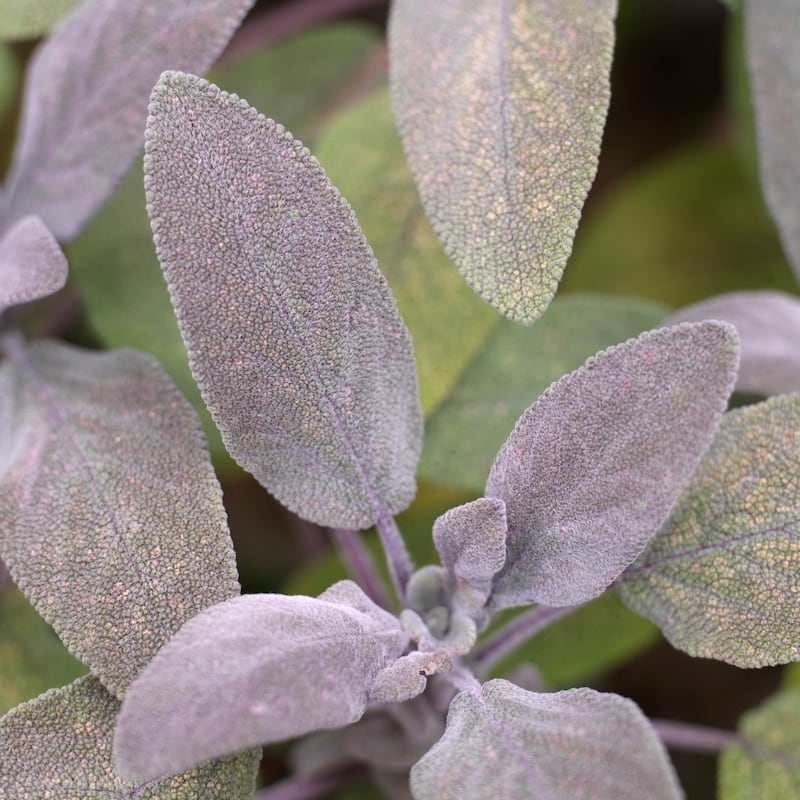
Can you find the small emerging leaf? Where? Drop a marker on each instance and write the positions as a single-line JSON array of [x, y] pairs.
[[292, 333], [768, 324], [573, 745], [501, 107], [772, 29], [594, 465], [31, 263], [59, 745], [254, 670], [86, 96], [111, 517], [722, 576]]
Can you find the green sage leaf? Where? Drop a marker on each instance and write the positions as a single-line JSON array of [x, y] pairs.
[[27, 19], [111, 517], [321, 406], [59, 745], [574, 745], [720, 578], [501, 108]]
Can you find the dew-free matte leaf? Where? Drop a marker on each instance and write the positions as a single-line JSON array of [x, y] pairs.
[[575, 745], [59, 746], [510, 368], [31, 263], [501, 107], [256, 669], [292, 332], [772, 29], [721, 578], [594, 465], [27, 19], [768, 324], [85, 101], [766, 765], [111, 517]]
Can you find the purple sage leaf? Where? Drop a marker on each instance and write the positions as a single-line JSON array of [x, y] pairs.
[[86, 95], [111, 517], [253, 670], [768, 324], [721, 578], [292, 332], [59, 745], [31, 263], [501, 107], [575, 745], [593, 467], [772, 30]]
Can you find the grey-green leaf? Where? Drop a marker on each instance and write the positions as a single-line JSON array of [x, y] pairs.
[[768, 324], [501, 107], [31, 263], [766, 764], [593, 467], [722, 576], [573, 745], [111, 517], [772, 29], [27, 19], [86, 94], [253, 670], [59, 745], [292, 333]]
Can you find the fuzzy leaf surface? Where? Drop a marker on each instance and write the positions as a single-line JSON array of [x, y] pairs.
[[501, 107], [321, 405], [59, 745], [111, 517], [85, 100], [31, 263], [767, 764], [594, 465], [253, 670], [768, 324], [721, 577], [772, 28], [27, 19], [572, 745]]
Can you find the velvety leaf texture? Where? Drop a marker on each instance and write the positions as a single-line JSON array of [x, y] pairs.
[[111, 517], [766, 766], [594, 465], [573, 745], [27, 19], [772, 29], [768, 324], [501, 107], [292, 333], [59, 746], [722, 576], [31, 263], [86, 94], [253, 670]]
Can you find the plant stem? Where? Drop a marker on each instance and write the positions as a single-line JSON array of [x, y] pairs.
[[515, 633], [397, 557], [697, 738], [308, 787], [360, 564], [287, 19]]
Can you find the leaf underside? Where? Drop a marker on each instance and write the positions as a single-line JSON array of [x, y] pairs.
[[59, 745], [573, 745], [111, 517], [720, 578], [594, 465], [292, 333], [501, 107], [254, 670]]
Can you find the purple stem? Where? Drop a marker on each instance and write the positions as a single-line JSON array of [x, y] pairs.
[[397, 557], [697, 738], [286, 20], [360, 564], [308, 787], [515, 633]]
